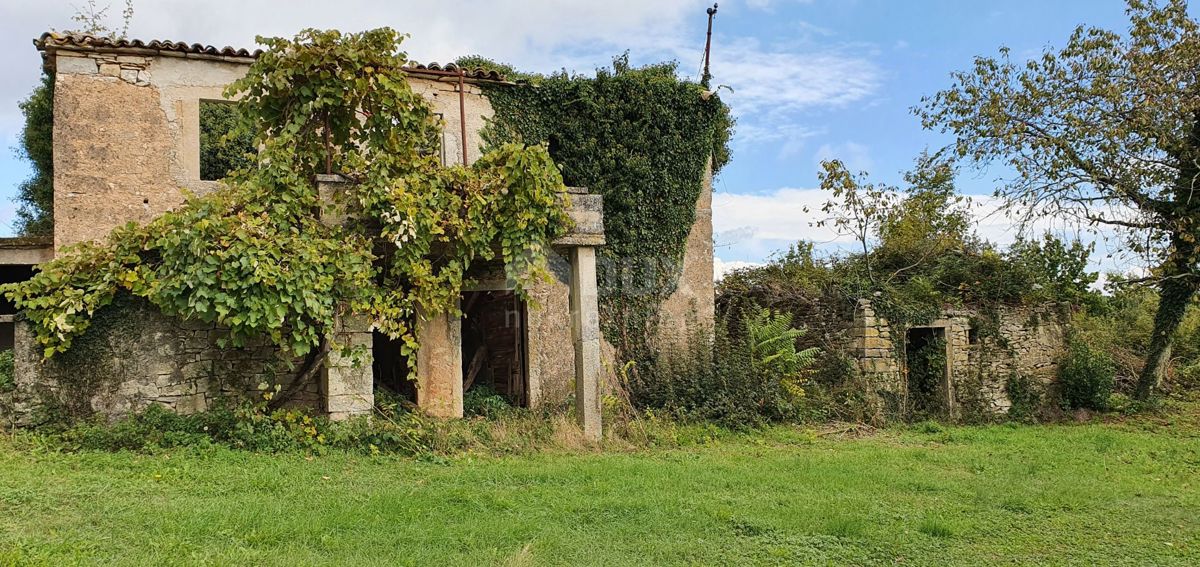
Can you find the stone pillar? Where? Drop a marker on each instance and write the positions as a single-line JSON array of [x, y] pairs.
[[439, 365], [348, 384], [585, 331], [346, 381]]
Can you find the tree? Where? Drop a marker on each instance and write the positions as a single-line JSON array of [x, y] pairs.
[[898, 230], [1105, 132], [35, 195]]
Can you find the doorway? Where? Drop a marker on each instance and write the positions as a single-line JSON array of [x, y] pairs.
[[927, 372], [493, 343], [390, 368]]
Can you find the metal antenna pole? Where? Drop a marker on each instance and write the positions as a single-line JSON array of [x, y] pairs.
[[704, 78]]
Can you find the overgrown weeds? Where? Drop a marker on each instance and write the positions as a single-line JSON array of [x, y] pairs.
[[748, 376]]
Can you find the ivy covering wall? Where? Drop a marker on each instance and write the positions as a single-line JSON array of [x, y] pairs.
[[640, 136]]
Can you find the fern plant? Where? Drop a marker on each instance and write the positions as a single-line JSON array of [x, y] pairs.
[[773, 344]]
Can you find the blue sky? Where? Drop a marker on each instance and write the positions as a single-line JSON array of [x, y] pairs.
[[811, 79]]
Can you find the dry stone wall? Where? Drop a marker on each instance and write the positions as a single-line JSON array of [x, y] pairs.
[[1026, 342], [134, 356]]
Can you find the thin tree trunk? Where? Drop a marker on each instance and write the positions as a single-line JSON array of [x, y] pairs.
[[1180, 273], [1173, 301], [312, 365]]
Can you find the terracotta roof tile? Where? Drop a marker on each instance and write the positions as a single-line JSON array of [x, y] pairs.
[[51, 41]]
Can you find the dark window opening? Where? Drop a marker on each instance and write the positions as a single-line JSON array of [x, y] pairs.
[[10, 273], [493, 342], [390, 368], [927, 373], [973, 336], [223, 148]]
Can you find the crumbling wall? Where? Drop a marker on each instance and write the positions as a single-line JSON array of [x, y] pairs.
[[1028, 343], [1025, 341], [134, 356]]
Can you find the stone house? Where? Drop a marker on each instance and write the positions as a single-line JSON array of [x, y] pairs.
[[1023, 342], [127, 147]]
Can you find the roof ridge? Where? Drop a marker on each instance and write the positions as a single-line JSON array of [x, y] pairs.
[[56, 40]]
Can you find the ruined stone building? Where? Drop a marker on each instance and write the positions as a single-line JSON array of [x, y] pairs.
[[973, 365], [127, 147]]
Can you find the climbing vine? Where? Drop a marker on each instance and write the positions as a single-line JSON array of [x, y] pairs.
[[263, 257], [641, 137]]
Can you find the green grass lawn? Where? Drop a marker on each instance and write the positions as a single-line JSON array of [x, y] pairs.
[[1116, 494]]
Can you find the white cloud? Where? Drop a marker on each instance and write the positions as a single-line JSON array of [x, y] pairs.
[[790, 138], [784, 215], [856, 157], [721, 267], [787, 81], [752, 227], [774, 88]]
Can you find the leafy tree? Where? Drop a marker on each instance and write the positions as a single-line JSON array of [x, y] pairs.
[[1058, 271], [898, 231], [35, 196], [1105, 131], [224, 147]]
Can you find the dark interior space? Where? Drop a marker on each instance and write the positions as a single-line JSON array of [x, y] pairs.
[[10, 273], [493, 340], [390, 367], [925, 365]]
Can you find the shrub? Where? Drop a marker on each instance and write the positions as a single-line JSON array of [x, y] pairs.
[[155, 427], [1085, 377], [743, 380], [484, 401], [1188, 377], [1025, 395]]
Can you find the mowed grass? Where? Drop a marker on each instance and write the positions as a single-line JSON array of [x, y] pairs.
[[1098, 494]]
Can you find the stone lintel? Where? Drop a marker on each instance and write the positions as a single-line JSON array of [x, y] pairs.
[[587, 214]]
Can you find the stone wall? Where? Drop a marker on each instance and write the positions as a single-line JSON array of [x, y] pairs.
[[1029, 345], [1027, 342], [134, 356], [127, 133], [692, 304], [550, 356], [874, 351]]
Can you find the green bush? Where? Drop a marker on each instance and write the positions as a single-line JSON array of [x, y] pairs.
[[1085, 377], [1188, 377], [484, 401], [1025, 395], [749, 379], [155, 427], [250, 427]]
